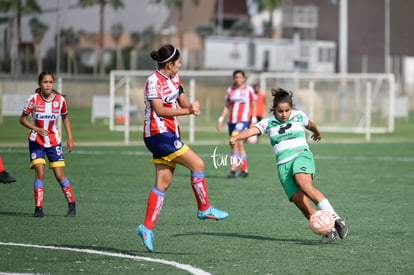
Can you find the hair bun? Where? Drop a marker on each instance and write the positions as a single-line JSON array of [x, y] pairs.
[[155, 56]]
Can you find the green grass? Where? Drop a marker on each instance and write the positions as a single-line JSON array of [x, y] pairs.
[[370, 184]]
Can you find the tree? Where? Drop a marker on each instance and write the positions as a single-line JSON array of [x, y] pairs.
[[116, 31], [148, 37], [69, 40], [179, 5], [16, 5], [203, 30], [116, 4], [271, 6], [135, 40], [242, 27], [38, 30]]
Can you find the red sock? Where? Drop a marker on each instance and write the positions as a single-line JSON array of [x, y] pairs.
[[200, 190], [234, 160], [1, 165], [38, 196], [67, 191], [243, 164], [154, 205]]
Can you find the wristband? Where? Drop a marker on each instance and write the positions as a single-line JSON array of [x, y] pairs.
[[220, 119], [254, 119]]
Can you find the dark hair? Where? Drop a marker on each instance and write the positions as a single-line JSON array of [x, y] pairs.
[[43, 74], [165, 54], [239, 72], [40, 78], [281, 96]]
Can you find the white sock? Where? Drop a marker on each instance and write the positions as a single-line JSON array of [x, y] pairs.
[[325, 205]]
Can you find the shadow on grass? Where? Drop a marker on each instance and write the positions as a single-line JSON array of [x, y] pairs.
[[25, 214], [16, 214], [252, 237], [120, 251]]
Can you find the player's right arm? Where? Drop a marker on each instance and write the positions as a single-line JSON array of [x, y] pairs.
[[223, 115], [26, 123], [252, 131]]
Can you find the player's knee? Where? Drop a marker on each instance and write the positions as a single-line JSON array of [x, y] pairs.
[[198, 167]]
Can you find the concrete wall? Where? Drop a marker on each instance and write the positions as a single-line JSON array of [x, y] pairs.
[[78, 91]]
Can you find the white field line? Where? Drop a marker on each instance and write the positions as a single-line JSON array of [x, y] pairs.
[[189, 268]]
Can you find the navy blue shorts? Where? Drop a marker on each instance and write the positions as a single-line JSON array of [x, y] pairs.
[[38, 153], [235, 128], [165, 148]]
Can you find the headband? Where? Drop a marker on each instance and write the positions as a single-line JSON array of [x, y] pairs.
[[169, 58]]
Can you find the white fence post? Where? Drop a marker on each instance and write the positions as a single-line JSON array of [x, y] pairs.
[[111, 100], [191, 118], [368, 112], [126, 112]]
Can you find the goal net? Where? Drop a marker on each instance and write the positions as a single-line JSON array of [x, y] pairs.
[[337, 103], [341, 103]]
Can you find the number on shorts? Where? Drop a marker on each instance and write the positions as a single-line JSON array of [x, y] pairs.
[[59, 150]]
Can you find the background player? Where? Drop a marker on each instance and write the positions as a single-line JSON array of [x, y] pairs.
[[45, 106], [260, 109], [240, 99], [260, 102]]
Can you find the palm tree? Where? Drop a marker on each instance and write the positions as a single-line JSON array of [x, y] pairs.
[[148, 36], [116, 31], [16, 5], [271, 6], [38, 30], [203, 30], [69, 41], [115, 4], [179, 5], [135, 40]]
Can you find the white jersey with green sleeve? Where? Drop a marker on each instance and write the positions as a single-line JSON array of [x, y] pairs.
[[287, 138]]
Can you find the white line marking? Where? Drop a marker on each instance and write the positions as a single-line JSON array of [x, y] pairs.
[[185, 267]]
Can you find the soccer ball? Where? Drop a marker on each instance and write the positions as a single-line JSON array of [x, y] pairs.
[[321, 222], [252, 139]]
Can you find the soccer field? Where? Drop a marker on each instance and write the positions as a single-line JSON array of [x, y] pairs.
[[369, 184]]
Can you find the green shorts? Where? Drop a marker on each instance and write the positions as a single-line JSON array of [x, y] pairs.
[[303, 163]]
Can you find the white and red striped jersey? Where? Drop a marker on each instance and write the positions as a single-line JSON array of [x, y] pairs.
[[240, 99], [44, 115], [159, 86]]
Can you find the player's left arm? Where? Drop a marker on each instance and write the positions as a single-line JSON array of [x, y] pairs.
[[194, 107], [66, 124], [316, 136]]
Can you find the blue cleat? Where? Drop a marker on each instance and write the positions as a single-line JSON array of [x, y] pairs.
[[212, 213], [146, 236]]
